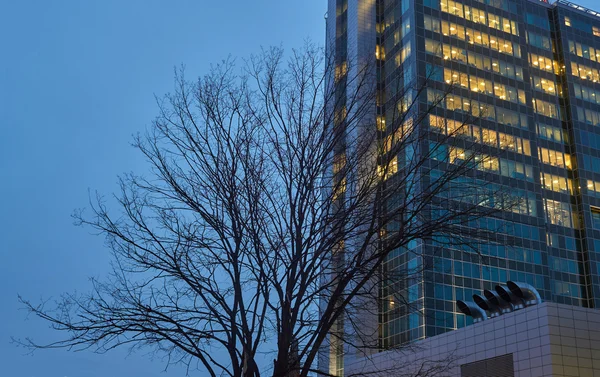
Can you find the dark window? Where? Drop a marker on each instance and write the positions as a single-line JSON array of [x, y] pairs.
[[501, 366], [539, 21], [596, 218]]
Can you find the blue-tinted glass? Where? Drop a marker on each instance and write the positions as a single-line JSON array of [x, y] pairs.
[[486, 273], [460, 320], [435, 4], [502, 275], [458, 268], [596, 219], [475, 271]]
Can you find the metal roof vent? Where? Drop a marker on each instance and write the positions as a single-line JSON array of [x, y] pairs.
[[472, 310], [505, 299], [494, 298], [486, 305], [525, 292]]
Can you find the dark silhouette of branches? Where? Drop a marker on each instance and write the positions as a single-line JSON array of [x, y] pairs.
[[267, 216]]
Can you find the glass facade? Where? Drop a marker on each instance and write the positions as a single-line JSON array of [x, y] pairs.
[[530, 72]]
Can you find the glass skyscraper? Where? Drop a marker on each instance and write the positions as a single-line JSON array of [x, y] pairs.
[[535, 68]]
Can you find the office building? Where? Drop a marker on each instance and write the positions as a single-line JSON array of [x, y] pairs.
[[530, 71]]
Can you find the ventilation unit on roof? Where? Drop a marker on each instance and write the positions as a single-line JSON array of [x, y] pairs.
[[506, 298]]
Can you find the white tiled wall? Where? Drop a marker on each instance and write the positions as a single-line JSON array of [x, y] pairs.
[[545, 340]]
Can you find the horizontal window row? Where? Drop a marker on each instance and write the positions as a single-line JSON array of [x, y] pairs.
[[556, 183], [545, 108], [588, 116], [544, 63], [589, 139], [554, 158], [478, 192], [494, 274], [562, 265], [591, 163], [473, 37], [479, 16], [475, 108], [585, 72], [523, 255], [480, 85], [460, 156], [473, 59], [587, 94], [552, 133], [561, 288], [539, 41], [543, 85], [584, 51], [500, 251], [481, 135], [537, 20], [583, 26], [507, 5], [507, 227], [593, 188]]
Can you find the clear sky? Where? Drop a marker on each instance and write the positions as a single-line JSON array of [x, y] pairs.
[[77, 79]]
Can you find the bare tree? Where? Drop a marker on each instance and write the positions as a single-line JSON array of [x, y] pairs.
[[267, 217]]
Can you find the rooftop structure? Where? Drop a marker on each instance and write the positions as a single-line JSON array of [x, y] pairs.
[[546, 340]]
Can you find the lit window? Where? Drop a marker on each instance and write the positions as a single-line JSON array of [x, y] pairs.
[[339, 189], [341, 70], [380, 123], [556, 183], [387, 171], [380, 52], [339, 161], [558, 213], [568, 21]]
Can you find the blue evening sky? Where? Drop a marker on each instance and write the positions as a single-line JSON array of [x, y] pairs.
[[77, 79]]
